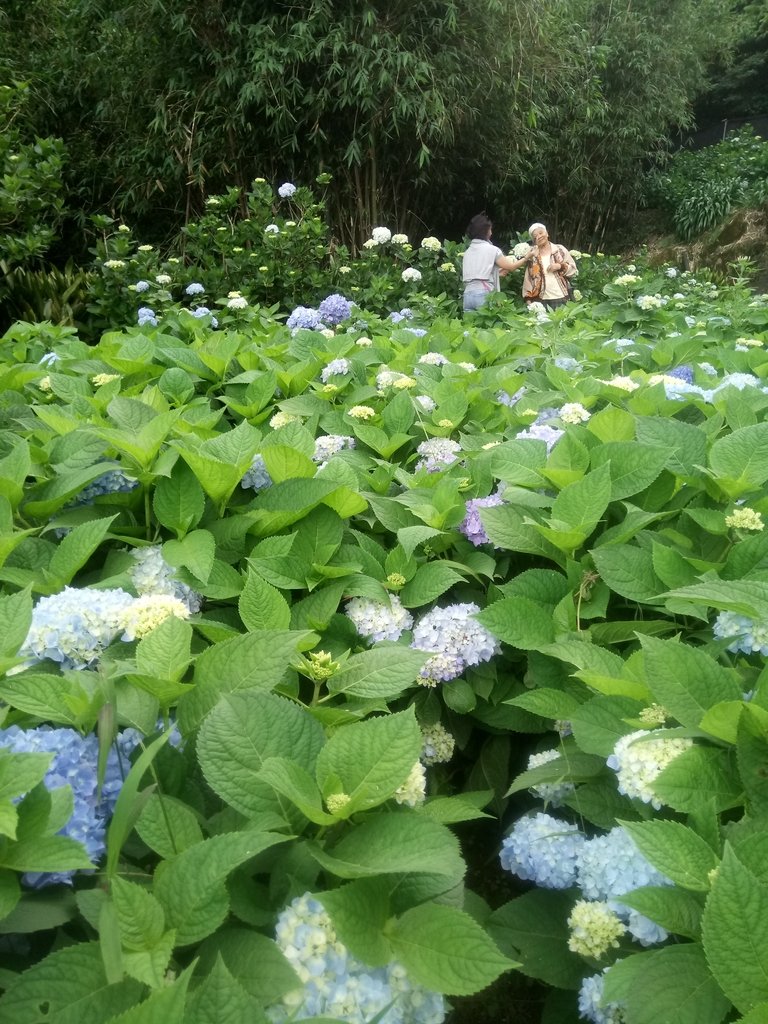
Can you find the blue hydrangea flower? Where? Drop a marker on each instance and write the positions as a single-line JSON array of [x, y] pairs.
[[336, 366], [591, 1003], [567, 363], [75, 763], [472, 526], [304, 317], [404, 314], [334, 309], [112, 482], [152, 575], [200, 311], [541, 432], [610, 866], [544, 850], [195, 288], [747, 635], [509, 400], [74, 626], [684, 373], [334, 984], [456, 639], [141, 286], [286, 190], [147, 316], [257, 477]]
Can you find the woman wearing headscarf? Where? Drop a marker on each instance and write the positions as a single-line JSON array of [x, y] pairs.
[[483, 263], [550, 270]]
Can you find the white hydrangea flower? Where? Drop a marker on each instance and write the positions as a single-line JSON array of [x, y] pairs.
[[431, 244], [594, 929], [411, 274], [148, 612], [375, 621], [639, 758], [414, 790], [573, 412], [380, 236]]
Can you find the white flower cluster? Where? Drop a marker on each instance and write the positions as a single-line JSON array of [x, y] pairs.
[[431, 244], [639, 758], [573, 412], [380, 236], [149, 611], [521, 250], [411, 274], [375, 621], [414, 790], [594, 929]]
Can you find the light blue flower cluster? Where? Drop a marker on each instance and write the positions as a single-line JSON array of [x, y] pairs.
[[195, 288], [200, 311], [417, 332], [611, 866], [377, 621], [152, 575], [541, 432], [142, 286], [544, 850], [455, 638], [567, 363], [331, 444], [404, 314], [437, 453], [337, 985], [257, 477], [591, 1003], [286, 190], [75, 763], [509, 400], [471, 526], [334, 309], [336, 366], [74, 626], [112, 482], [147, 316], [304, 318], [746, 635]]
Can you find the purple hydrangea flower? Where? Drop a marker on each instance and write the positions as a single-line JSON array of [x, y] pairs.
[[457, 639], [334, 309], [472, 526]]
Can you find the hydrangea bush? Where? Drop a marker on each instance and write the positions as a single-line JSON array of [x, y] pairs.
[[290, 601]]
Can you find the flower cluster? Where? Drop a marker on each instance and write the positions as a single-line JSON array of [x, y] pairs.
[[334, 309], [375, 621], [414, 790], [286, 190], [541, 432], [521, 250], [146, 316], [456, 639], [471, 526], [438, 746], [336, 366], [646, 302], [431, 244], [331, 444], [610, 866], [591, 1006], [404, 314], [74, 626], [411, 274], [594, 929], [544, 850], [639, 758], [433, 359], [257, 477], [553, 793], [335, 984], [745, 519], [304, 318], [747, 636], [100, 379], [437, 453], [149, 611], [361, 412], [75, 763], [112, 482], [152, 575], [573, 412]]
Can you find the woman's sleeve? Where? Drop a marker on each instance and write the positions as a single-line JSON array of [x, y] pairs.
[[571, 269]]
